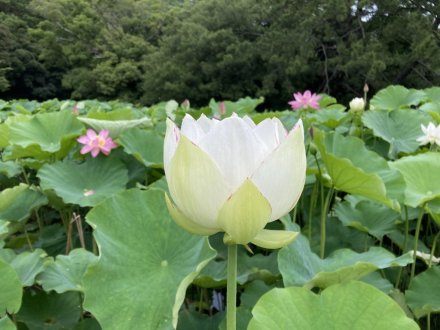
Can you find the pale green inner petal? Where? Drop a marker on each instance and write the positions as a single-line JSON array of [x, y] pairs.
[[196, 185], [288, 162], [186, 223], [274, 239], [245, 213]]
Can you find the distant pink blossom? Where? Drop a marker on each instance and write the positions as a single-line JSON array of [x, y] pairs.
[[95, 143], [304, 101]]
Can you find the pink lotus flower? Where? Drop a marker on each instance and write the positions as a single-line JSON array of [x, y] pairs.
[[95, 143], [304, 101]]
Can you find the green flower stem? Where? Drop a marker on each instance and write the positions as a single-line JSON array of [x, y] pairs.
[[231, 294], [405, 245], [416, 241], [313, 199], [324, 211]]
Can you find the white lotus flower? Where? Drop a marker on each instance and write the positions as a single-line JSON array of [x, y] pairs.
[[357, 104], [431, 134], [234, 176]]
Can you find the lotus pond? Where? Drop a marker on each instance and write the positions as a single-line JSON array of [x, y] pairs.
[[87, 241]]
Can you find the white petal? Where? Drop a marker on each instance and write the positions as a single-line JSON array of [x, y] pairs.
[[235, 148], [172, 137], [248, 121], [281, 176], [191, 129], [271, 132], [205, 123]]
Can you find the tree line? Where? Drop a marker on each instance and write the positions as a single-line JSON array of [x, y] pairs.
[[146, 51]]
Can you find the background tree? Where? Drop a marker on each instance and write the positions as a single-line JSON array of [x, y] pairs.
[[20, 69], [151, 50]]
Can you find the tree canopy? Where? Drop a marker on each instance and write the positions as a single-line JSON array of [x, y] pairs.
[[145, 51]]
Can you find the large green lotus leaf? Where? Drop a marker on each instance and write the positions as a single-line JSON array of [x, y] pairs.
[[299, 266], [423, 293], [347, 306], [7, 324], [248, 267], [145, 145], [115, 127], [87, 183], [146, 262], [10, 289], [422, 176], [49, 311], [17, 203], [28, 265], [400, 128], [367, 216], [394, 97], [353, 168], [66, 272], [45, 133]]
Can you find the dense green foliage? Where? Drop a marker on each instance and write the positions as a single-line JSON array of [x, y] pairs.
[[151, 50], [88, 243]]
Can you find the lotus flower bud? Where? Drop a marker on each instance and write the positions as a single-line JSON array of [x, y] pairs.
[[234, 176], [357, 104]]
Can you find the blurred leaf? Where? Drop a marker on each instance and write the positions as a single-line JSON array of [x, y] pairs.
[[49, 311], [241, 107], [115, 127], [189, 319], [347, 306], [66, 272], [10, 169], [248, 267], [330, 118], [378, 281], [17, 203], [87, 183], [139, 243], [7, 324], [88, 324], [433, 94], [395, 97], [28, 265], [423, 292], [299, 266], [145, 145], [3, 229], [10, 289], [367, 216]]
